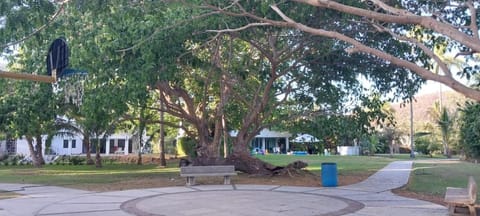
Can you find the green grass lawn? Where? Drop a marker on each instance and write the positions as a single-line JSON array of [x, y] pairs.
[[112, 173], [83, 174], [432, 177], [407, 156], [346, 165]]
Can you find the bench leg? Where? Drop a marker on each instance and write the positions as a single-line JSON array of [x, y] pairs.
[[190, 181], [226, 180], [473, 211], [451, 209]]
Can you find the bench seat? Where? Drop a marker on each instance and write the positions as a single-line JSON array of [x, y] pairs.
[[457, 195], [190, 172], [462, 197]]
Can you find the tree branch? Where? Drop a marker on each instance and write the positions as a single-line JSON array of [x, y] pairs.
[[422, 46], [240, 28], [426, 22], [159, 30], [359, 47], [41, 28], [390, 9]]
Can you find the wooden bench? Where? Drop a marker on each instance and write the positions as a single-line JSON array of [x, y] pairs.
[[190, 172], [462, 197]]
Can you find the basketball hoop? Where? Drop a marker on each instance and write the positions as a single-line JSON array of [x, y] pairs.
[[69, 81], [57, 62], [57, 58], [72, 84]]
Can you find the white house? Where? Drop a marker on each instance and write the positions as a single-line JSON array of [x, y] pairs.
[[270, 141], [118, 143], [125, 143]]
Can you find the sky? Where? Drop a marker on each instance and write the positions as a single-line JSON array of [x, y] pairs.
[[431, 87], [3, 64]]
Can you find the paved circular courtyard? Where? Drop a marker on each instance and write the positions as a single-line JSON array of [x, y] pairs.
[[240, 202], [371, 197]]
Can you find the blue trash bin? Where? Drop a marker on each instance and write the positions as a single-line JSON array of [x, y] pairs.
[[329, 174]]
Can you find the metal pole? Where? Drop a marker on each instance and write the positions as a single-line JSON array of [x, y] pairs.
[[163, 161], [412, 150], [26, 76]]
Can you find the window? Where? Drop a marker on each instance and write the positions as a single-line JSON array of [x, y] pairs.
[[65, 143], [74, 143]]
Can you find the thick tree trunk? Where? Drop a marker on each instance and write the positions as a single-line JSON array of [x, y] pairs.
[[207, 148], [251, 165], [139, 149], [446, 150], [33, 153], [98, 159], [39, 150], [247, 164], [139, 158], [163, 161], [87, 144], [390, 145]]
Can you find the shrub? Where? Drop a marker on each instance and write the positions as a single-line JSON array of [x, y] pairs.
[[3, 157], [469, 127], [404, 150], [425, 145], [14, 160], [76, 160]]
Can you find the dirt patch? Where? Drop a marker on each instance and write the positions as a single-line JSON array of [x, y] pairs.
[[303, 178], [437, 161], [8, 195]]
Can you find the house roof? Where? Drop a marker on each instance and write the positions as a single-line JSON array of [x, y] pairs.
[[266, 133]]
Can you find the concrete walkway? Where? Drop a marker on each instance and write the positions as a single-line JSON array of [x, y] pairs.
[[370, 197]]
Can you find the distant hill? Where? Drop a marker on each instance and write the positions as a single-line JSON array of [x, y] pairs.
[[421, 107]]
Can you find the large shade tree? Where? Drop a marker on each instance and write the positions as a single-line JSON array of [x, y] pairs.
[[28, 112], [252, 77], [28, 108]]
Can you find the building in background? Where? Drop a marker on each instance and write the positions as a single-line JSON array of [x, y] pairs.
[[268, 141]]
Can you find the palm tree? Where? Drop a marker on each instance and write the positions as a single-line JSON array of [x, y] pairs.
[[444, 121]]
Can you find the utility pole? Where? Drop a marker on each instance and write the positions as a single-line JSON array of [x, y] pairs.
[[26, 76], [163, 162], [412, 150]]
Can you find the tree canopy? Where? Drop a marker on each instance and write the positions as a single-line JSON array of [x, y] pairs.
[[230, 65], [430, 30]]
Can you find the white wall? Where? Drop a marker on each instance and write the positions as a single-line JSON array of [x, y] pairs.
[[348, 150], [3, 147], [22, 146], [57, 146], [59, 149]]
